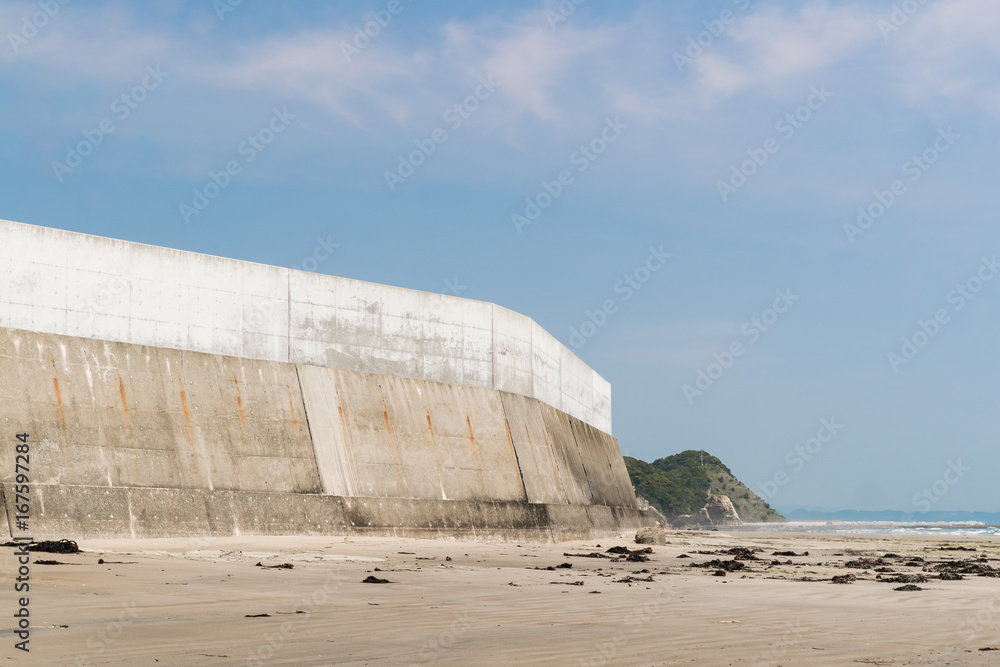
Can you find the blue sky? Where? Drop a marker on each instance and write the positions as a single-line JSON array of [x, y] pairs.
[[820, 108]]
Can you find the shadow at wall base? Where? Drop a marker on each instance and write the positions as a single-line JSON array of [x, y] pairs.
[[92, 512]]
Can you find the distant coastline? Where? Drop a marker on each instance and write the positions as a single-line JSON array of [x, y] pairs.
[[988, 518], [889, 528]]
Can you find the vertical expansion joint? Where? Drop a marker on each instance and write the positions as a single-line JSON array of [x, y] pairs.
[[583, 464], [312, 441], [6, 517], [517, 459]]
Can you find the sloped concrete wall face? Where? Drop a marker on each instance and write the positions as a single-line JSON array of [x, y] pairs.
[[71, 284], [110, 414], [130, 440]]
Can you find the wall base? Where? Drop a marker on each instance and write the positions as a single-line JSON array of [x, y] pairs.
[[93, 512]]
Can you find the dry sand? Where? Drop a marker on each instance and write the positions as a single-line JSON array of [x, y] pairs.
[[186, 602]]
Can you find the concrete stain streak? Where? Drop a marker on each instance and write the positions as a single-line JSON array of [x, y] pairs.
[[55, 383], [437, 458], [392, 444], [291, 407], [479, 463], [239, 402], [128, 418], [200, 450], [187, 412], [353, 473]]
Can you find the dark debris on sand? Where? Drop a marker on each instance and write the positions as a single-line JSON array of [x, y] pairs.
[[727, 565], [56, 547], [636, 556], [48, 547], [905, 579], [966, 567], [552, 568], [590, 555], [376, 580]]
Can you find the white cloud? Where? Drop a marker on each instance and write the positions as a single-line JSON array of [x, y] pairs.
[[311, 67], [949, 50], [92, 44], [553, 82], [770, 47], [530, 61]]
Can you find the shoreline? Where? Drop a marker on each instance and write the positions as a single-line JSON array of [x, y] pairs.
[[200, 601]]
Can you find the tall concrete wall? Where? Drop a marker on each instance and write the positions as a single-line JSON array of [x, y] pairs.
[[72, 284], [147, 441]]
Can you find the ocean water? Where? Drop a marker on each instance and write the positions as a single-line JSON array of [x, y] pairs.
[[962, 529]]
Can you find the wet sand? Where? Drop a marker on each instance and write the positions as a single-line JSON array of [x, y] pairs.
[[196, 602]]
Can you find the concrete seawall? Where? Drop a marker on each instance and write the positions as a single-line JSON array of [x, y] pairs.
[[71, 284], [138, 441]]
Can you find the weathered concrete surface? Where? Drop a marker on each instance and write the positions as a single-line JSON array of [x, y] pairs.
[[111, 414], [88, 512], [402, 438], [540, 474], [65, 283], [559, 432], [128, 440]]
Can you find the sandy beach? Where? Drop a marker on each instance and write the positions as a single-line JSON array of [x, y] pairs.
[[222, 602]]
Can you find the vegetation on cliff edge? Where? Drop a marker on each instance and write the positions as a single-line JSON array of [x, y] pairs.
[[680, 484]]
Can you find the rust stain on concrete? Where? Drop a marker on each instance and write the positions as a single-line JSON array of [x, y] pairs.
[[343, 422], [475, 452], [55, 382], [128, 417], [239, 401], [343, 425], [434, 447], [392, 443], [347, 441], [291, 406], [187, 411]]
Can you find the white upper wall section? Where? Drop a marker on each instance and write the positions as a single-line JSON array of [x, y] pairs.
[[60, 282]]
